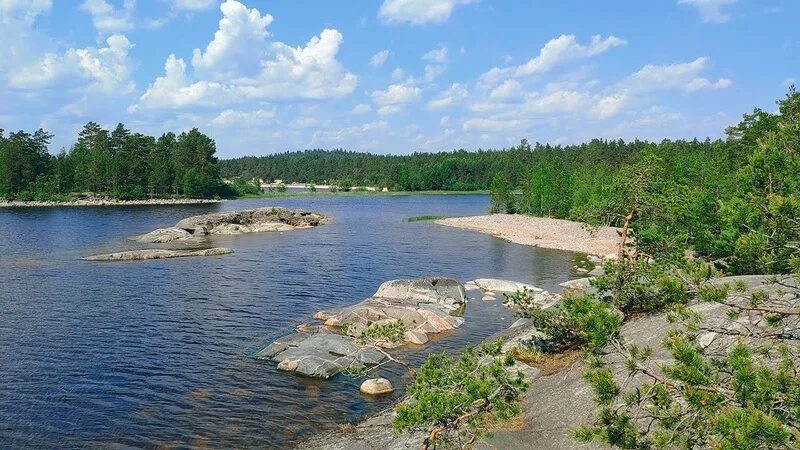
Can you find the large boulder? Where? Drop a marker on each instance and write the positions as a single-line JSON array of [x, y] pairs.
[[259, 220], [150, 254]]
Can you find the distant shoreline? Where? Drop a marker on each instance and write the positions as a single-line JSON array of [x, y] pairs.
[[107, 202], [323, 193], [542, 232]]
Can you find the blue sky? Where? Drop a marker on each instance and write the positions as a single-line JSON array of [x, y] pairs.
[[394, 76]]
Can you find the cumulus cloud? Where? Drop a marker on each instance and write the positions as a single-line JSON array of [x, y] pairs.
[[560, 50], [241, 64], [710, 10], [379, 58], [230, 117], [107, 68], [437, 55], [361, 108], [419, 12], [106, 18], [451, 96], [241, 32], [396, 94], [681, 76]]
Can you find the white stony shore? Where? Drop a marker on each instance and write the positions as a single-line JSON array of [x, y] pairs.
[[542, 232], [108, 202]]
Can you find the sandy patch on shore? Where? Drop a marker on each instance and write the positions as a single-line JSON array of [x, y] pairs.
[[542, 232]]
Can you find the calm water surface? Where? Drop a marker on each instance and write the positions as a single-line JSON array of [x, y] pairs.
[[157, 353]]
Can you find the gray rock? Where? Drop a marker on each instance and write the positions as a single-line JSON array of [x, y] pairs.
[[150, 254], [423, 306], [502, 286], [577, 285], [163, 235], [235, 222], [319, 354]]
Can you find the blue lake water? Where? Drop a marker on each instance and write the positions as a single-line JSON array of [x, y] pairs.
[[157, 353]]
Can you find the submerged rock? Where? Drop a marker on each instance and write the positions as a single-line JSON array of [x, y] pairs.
[[141, 255], [235, 222], [377, 386]]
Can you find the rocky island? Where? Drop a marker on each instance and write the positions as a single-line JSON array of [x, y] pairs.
[[235, 222], [195, 230]]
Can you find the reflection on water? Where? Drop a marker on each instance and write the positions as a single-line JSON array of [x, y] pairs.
[[155, 353]]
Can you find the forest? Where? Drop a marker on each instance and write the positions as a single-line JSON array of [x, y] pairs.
[[117, 164]]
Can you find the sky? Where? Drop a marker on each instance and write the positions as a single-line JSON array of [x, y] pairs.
[[394, 76]]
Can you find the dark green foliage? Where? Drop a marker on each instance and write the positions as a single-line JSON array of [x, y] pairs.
[[579, 321], [119, 164], [455, 398], [502, 200], [740, 395]]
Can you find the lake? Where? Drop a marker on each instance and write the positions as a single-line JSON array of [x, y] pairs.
[[158, 353]]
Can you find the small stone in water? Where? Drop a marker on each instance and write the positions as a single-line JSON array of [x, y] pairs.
[[377, 386]]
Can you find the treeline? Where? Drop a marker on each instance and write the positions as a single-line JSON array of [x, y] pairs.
[[117, 164], [735, 203], [458, 170]]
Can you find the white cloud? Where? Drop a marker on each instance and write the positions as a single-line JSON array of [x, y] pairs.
[[108, 68], [555, 52], [710, 10], [481, 124], [396, 94], [347, 134], [237, 43], [231, 117], [419, 12], [681, 76], [698, 84], [25, 11], [173, 90], [387, 110], [106, 18], [453, 95], [609, 106], [508, 90], [361, 108], [379, 58], [240, 64], [437, 55], [193, 5]]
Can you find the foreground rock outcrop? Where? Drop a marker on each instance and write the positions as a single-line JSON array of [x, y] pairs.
[[319, 353], [150, 254], [424, 306], [235, 222], [559, 400]]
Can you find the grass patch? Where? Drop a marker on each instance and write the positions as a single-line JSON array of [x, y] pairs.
[[423, 218], [527, 355]]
